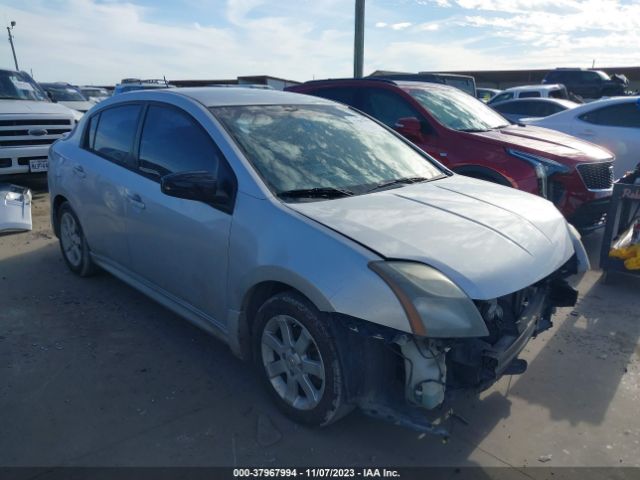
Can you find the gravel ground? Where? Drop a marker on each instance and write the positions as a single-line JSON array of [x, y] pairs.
[[93, 373]]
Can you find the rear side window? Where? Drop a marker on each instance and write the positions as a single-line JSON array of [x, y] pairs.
[[621, 115], [172, 141], [387, 107], [529, 94], [344, 95], [511, 107], [115, 132]]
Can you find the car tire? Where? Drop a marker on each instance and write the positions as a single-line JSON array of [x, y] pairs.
[[297, 360], [73, 243]]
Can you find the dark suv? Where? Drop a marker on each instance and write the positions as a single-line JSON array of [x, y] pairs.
[[587, 83], [472, 139]]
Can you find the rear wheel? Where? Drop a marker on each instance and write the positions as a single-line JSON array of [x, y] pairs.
[[297, 360], [73, 244]]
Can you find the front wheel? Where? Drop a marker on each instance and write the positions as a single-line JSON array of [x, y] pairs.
[[298, 361], [73, 244]]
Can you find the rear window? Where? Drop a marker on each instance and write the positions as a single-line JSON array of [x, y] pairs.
[[529, 94]]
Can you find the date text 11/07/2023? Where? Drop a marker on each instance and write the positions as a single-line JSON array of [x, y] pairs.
[[315, 473]]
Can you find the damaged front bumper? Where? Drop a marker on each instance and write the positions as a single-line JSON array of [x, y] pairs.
[[15, 209], [401, 377]]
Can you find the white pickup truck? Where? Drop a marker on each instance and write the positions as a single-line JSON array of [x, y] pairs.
[[29, 124]]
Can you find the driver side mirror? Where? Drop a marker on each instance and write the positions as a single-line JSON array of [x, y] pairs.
[[411, 128], [51, 97], [199, 185]]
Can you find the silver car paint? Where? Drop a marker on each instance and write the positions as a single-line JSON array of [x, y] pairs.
[[272, 241], [457, 225]]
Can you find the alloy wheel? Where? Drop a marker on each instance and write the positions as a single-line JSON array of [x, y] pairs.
[[292, 362]]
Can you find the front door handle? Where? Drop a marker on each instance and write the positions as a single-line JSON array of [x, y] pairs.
[[588, 133], [79, 171], [135, 200]]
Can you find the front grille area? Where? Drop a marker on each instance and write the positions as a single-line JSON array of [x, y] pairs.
[[597, 176], [25, 160], [25, 133], [16, 132], [34, 122]]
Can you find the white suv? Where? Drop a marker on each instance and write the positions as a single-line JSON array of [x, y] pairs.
[[29, 124]]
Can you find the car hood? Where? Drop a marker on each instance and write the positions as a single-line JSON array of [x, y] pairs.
[[18, 107], [489, 239], [546, 143]]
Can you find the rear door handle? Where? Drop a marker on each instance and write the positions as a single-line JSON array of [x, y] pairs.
[[78, 170], [588, 133], [135, 200]]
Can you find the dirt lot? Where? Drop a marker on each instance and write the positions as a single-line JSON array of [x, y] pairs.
[[94, 373]]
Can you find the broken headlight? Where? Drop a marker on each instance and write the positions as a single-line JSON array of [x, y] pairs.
[[435, 306]]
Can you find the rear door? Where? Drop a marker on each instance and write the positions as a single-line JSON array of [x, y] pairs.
[[179, 246], [102, 172]]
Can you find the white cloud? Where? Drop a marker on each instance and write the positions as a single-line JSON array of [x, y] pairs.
[[428, 27], [85, 41], [381, 24], [401, 25]]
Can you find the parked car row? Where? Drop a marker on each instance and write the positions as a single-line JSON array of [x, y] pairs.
[[471, 139], [350, 266]]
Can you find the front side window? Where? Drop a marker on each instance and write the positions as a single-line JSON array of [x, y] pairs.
[[172, 142], [560, 93], [115, 132], [305, 147], [346, 95], [457, 110], [620, 115]]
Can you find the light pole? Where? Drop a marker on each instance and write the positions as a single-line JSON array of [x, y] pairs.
[[13, 50], [358, 46]]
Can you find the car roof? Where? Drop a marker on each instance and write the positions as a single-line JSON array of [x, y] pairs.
[[539, 87], [373, 81], [218, 97], [560, 101]]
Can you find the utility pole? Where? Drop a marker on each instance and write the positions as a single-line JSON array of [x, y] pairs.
[[13, 50], [358, 47]]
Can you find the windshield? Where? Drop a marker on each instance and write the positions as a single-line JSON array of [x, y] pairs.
[[17, 86], [298, 148], [65, 94], [457, 110], [93, 92]]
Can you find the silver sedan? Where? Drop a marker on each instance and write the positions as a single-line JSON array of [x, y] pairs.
[[352, 268]]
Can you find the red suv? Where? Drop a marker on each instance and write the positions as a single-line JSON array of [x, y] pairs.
[[472, 139]]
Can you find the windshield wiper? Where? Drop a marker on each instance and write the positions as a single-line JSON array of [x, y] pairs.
[[473, 130], [318, 192], [398, 181]]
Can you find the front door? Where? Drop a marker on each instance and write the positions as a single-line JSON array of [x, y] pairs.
[[179, 246]]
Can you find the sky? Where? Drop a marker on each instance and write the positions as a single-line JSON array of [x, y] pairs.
[[102, 41]]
